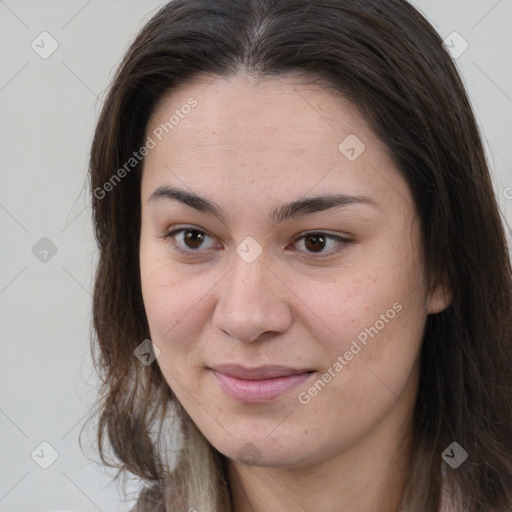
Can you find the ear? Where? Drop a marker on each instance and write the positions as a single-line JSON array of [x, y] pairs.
[[439, 299]]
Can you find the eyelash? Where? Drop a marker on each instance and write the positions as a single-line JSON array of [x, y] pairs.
[[341, 240]]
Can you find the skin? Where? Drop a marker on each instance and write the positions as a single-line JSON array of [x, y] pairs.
[[251, 146]]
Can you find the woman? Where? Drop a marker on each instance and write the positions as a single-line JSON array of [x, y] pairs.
[[302, 266]]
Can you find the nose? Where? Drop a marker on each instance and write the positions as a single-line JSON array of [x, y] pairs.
[[252, 301]]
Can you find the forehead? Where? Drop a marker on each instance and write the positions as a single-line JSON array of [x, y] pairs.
[[242, 107], [266, 137]]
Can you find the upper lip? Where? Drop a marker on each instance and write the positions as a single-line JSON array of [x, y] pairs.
[[257, 373]]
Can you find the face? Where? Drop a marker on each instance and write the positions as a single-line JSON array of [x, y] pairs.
[[281, 270]]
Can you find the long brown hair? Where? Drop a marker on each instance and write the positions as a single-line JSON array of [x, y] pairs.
[[386, 58]]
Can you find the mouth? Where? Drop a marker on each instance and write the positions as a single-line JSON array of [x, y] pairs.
[[261, 384]]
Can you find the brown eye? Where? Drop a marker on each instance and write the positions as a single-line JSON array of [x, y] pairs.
[[314, 243], [193, 238], [189, 240]]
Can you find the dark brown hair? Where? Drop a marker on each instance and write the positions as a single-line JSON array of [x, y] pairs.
[[386, 58]]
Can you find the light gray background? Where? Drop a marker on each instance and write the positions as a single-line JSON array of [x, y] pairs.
[[48, 111]]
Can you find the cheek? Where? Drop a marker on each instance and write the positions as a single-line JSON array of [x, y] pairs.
[[383, 292], [370, 321], [373, 323], [172, 299], [378, 328], [172, 303]]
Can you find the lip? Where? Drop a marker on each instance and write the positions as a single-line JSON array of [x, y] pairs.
[[261, 384]]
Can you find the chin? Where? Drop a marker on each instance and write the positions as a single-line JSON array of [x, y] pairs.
[[259, 451]]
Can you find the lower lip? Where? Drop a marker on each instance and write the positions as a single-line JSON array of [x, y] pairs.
[[254, 391]]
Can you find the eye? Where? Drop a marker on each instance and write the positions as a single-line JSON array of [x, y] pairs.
[[187, 239], [316, 241]]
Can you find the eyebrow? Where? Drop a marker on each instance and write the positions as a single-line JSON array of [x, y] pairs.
[[287, 211]]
